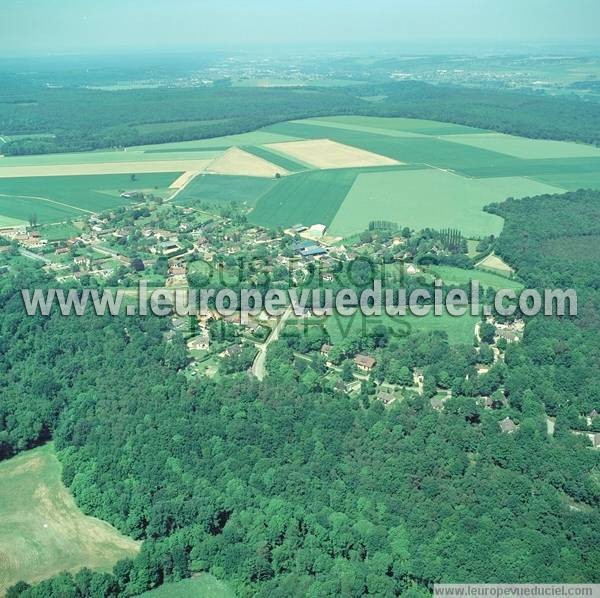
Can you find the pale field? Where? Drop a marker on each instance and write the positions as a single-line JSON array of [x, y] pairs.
[[493, 262], [42, 531], [238, 162], [348, 126], [158, 153], [521, 147], [183, 180], [324, 154], [429, 198], [104, 168]]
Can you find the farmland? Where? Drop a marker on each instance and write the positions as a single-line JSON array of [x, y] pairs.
[[222, 189], [310, 197], [42, 532], [423, 174], [57, 199], [422, 198]]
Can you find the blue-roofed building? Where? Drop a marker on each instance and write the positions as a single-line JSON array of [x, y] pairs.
[[313, 251]]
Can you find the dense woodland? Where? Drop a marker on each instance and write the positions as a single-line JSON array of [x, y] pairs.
[[290, 487], [113, 119]]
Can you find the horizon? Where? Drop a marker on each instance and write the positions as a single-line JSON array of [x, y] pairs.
[[73, 27]]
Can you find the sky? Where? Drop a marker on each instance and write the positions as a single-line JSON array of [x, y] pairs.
[[97, 26]]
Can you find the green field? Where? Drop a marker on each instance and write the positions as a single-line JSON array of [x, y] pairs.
[[394, 127], [451, 172], [312, 197], [60, 198], [459, 329], [276, 158], [458, 276], [521, 147], [223, 189], [59, 232], [429, 198], [42, 532], [203, 586]]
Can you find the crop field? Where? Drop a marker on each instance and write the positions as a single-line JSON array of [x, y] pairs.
[[56, 199], [312, 197], [428, 174], [276, 158], [527, 148], [421, 198], [224, 189], [459, 329], [325, 153], [236, 161], [42, 532]]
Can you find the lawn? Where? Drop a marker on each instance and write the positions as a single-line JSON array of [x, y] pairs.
[[42, 532], [60, 198], [309, 198], [202, 586], [458, 276], [459, 329], [429, 198], [59, 232], [224, 189]]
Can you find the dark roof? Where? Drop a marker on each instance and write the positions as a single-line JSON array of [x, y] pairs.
[[314, 250], [365, 361]]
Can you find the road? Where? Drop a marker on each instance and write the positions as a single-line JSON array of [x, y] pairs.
[[184, 185], [258, 367], [34, 256]]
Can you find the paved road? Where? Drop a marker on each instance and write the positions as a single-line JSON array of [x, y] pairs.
[[258, 367]]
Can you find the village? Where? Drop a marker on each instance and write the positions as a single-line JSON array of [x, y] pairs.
[[177, 247]]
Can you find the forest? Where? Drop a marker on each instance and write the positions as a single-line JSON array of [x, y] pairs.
[[289, 487], [115, 119]]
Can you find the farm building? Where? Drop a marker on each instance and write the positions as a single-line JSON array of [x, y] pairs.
[[313, 251]]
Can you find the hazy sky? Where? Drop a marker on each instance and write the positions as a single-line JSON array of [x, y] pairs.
[[49, 26]]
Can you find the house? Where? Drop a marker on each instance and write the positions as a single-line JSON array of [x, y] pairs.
[[507, 425], [298, 228], [167, 248], [232, 351], [411, 269], [364, 362], [82, 261], [62, 251], [436, 403], [199, 343], [386, 398], [595, 439], [325, 348]]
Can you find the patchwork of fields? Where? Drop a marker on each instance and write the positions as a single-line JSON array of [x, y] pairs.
[[339, 171]]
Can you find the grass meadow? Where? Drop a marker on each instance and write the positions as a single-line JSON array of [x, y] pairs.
[[61, 198], [42, 531], [202, 586]]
